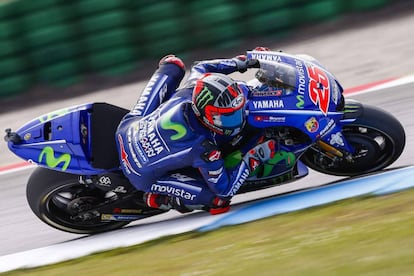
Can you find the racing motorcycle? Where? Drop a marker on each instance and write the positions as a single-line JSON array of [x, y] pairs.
[[78, 186]]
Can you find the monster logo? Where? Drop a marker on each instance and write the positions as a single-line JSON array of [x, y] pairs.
[[168, 125], [53, 162], [203, 98]]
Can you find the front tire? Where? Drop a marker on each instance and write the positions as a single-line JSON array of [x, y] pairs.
[[377, 136]]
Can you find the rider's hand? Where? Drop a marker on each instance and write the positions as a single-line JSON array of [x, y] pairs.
[[260, 48], [260, 154], [243, 63]]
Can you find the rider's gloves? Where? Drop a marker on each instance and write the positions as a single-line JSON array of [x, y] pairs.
[[243, 63], [260, 154], [260, 48]]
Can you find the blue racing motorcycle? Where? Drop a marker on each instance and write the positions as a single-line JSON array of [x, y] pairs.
[[78, 186]]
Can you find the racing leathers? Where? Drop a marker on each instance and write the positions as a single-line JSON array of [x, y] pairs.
[[163, 147]]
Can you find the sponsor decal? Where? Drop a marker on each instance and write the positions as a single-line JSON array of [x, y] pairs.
[[312, 125], [244, 174], [182, 177], [172, 191], [167, 124], [301, 79], [268, 104], [266, 56], [337, 139], [120, 189], [329, 126], [147, 94], [204, 97], [127, 211], [351, 108], [124, 157], [51, 161], [148, 137], [319, 90], [143, 99], [115, 217], [104, 181], [270, 119], [214, 155], [238, 101], [268, 93], [53, 114], [300, 103], [335, 93]]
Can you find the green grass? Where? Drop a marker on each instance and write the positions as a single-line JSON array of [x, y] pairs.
[[362, 236]]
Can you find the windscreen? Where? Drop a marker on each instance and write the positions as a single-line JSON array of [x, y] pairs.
[[277, 75]]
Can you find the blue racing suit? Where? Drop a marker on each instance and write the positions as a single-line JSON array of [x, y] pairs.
[[164, 149]]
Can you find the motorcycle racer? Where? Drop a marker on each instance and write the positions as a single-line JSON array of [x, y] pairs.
[[172, 137]]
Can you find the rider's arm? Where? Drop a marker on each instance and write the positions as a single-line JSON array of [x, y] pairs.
[[223, 66]]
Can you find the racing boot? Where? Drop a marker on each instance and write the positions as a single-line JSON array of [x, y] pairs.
[[219, 206], [164, 202]]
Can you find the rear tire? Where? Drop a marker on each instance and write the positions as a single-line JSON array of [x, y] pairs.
[[376, 134], [49, 191]]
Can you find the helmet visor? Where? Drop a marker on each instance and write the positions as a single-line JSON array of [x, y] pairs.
[[226, 118], [232, 120]]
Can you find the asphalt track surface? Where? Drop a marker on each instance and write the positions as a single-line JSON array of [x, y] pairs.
[[392, 43]]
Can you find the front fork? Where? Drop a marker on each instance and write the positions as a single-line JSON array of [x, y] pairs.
[[334, 144]]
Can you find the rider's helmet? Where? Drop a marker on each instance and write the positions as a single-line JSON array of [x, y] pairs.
[[219, 103]]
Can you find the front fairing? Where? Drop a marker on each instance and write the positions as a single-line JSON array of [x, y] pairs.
[[301, 94]]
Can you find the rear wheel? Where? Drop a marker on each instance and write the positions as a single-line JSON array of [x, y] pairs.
[[59, 200], [378, 138]]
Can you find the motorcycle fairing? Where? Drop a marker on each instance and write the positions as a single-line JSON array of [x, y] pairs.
[[64, 140], [296, 91]]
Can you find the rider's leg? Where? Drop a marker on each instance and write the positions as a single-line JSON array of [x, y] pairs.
[[184, 192], [161, 86]]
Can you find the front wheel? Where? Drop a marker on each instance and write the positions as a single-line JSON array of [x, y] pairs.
[[376, 135]]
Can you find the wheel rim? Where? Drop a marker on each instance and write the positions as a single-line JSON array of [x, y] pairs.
[[374, 151], [59, 208]]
